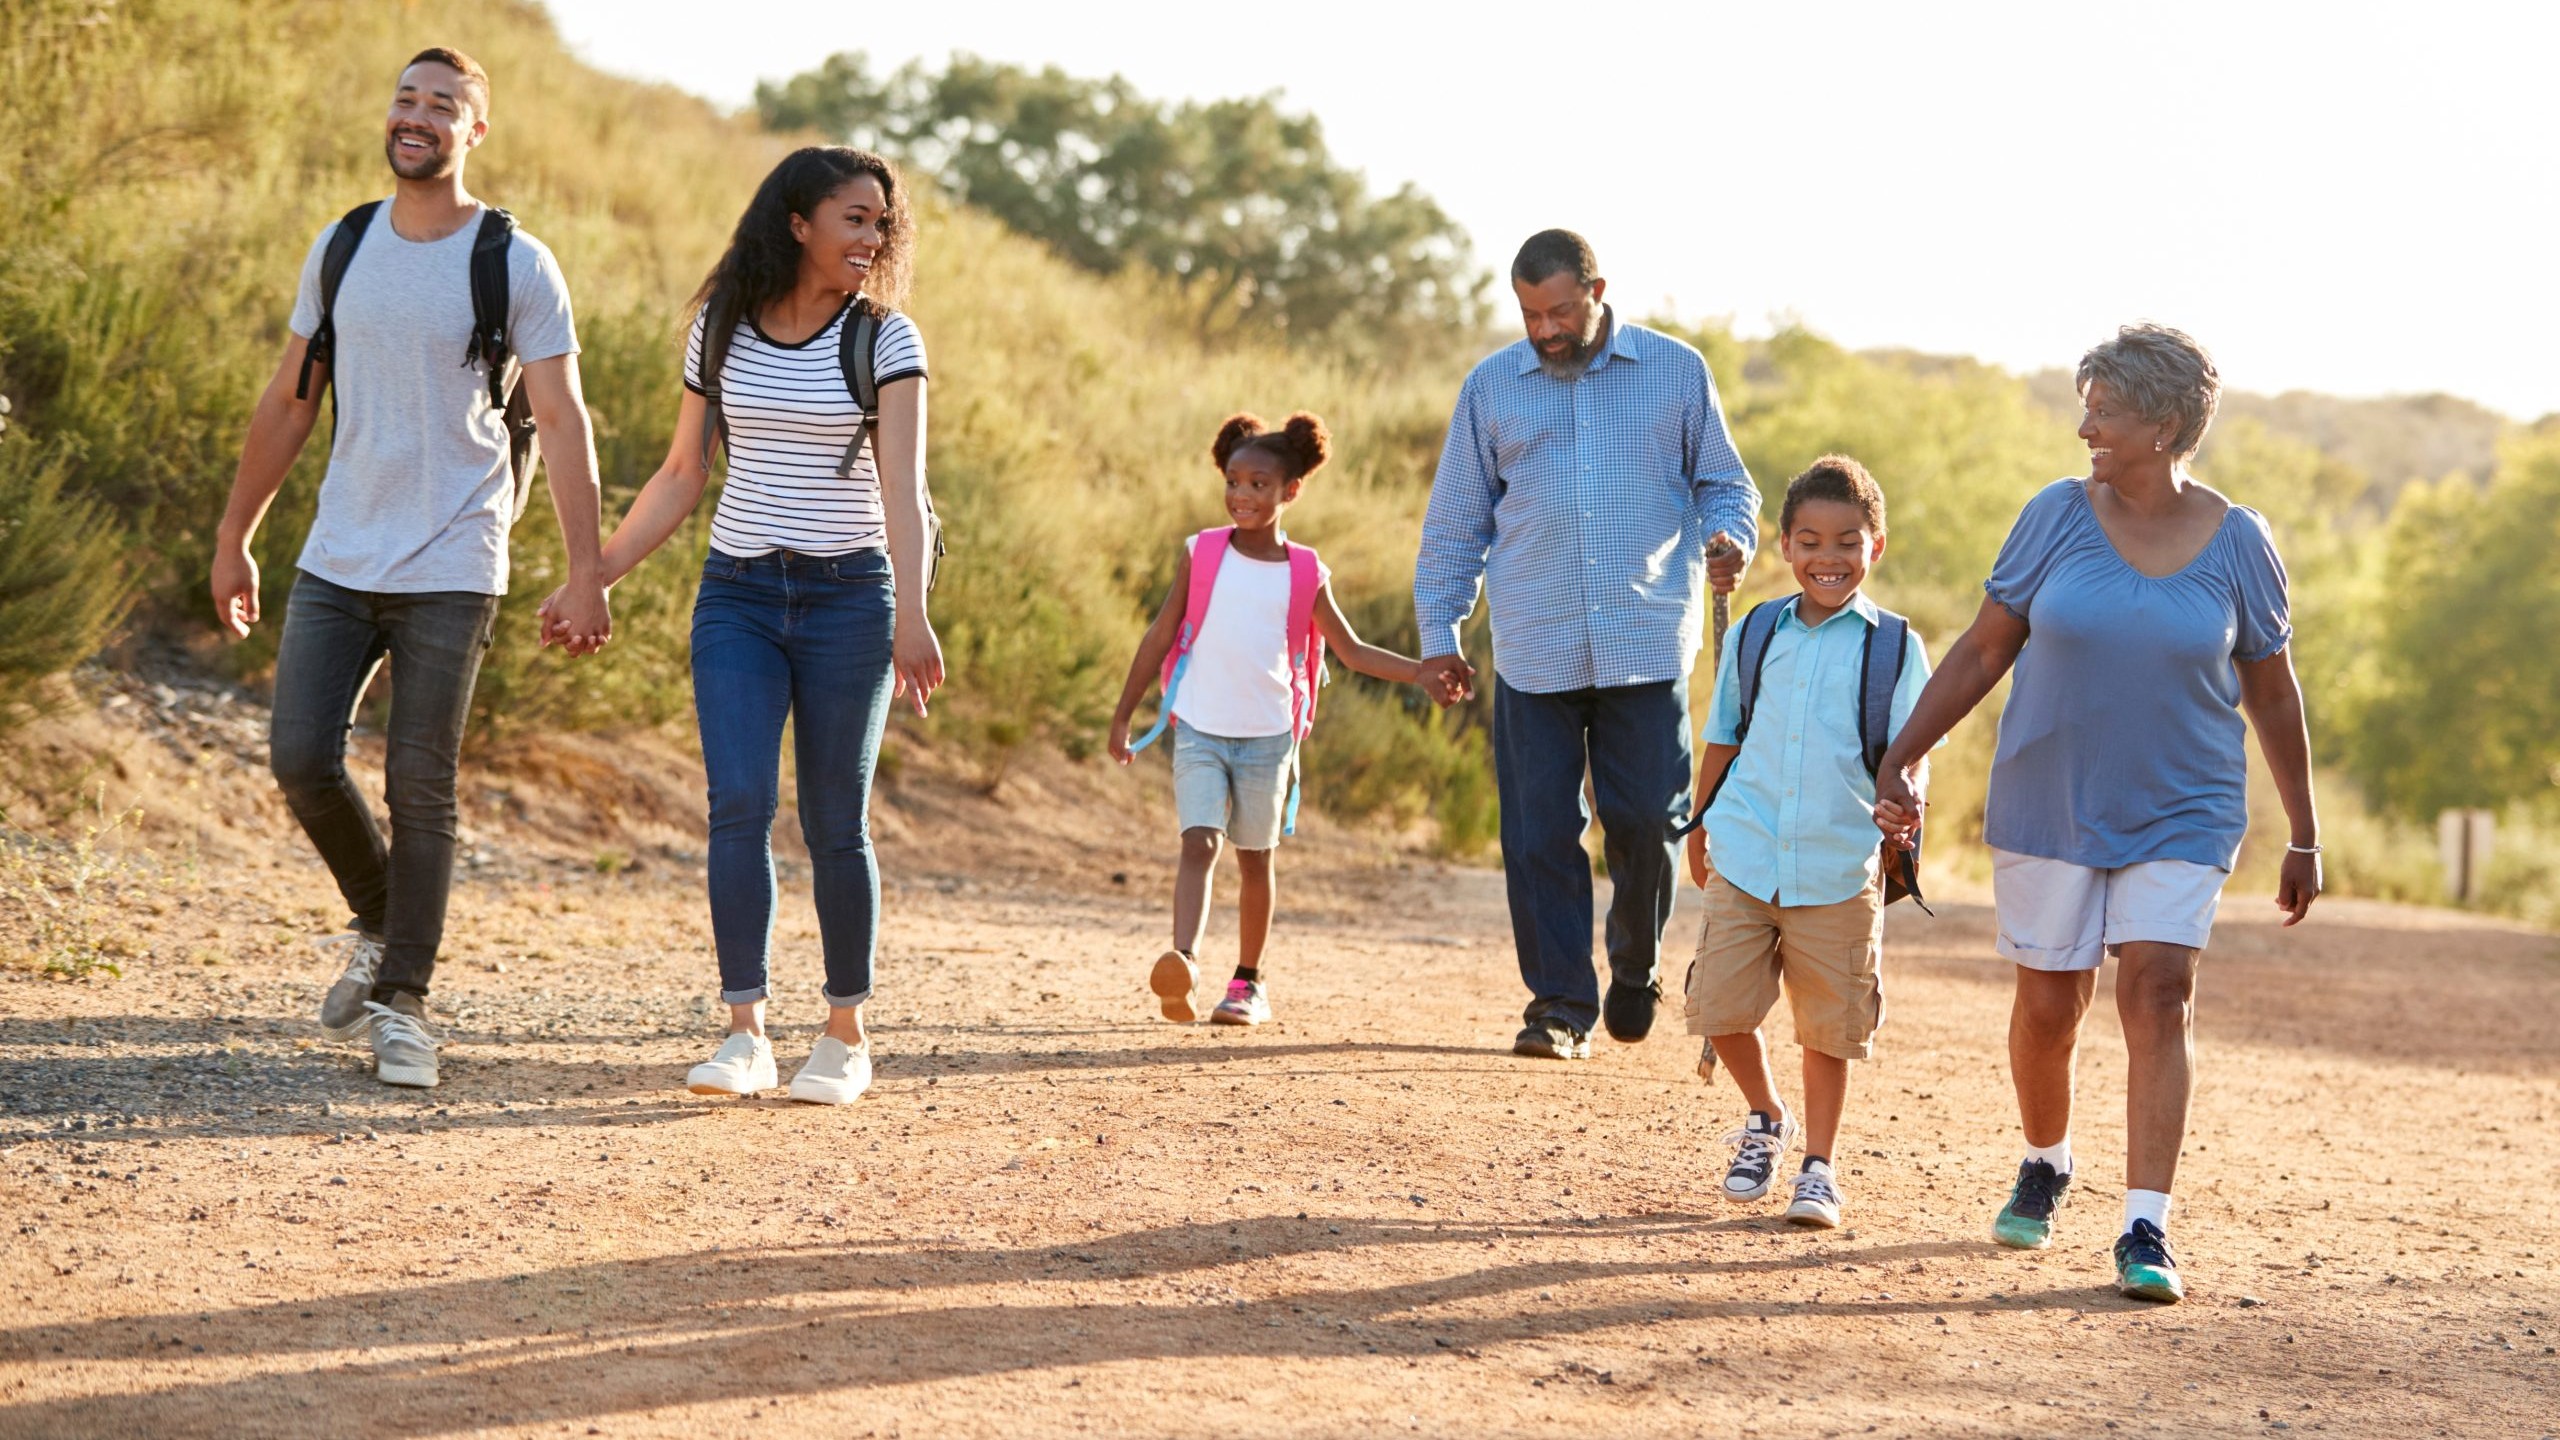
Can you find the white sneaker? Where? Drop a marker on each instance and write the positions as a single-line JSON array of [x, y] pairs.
[[1757, 1148], [742, 1065], [342, 1010], [404, 1049], [1817, 1202], [836, 1074]]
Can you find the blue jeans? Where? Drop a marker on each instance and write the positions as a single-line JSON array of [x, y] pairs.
[[804, 637], [1635, 739], [334, 640]]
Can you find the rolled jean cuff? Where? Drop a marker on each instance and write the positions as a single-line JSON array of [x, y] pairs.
[[743, 997], [837, 1003]]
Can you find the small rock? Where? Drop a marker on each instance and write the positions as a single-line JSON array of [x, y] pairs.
[[2250, 1302], [337, 1179]]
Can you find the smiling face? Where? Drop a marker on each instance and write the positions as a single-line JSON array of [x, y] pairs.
[[843, 234], [1830, 546], [2118, 439], [1563, 320], [433, 124], [1258, 489]]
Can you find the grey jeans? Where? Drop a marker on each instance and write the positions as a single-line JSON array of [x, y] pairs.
[[334, 640]]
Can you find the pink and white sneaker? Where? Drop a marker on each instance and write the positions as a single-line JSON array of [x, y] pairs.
[[1245, 1005]]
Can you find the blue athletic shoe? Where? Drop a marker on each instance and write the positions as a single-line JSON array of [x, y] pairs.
[[2145, 1269]]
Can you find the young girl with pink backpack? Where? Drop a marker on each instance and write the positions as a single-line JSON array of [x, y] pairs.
[[1239, 647]]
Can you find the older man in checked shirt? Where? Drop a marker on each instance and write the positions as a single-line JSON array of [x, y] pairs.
[[1586, 478]]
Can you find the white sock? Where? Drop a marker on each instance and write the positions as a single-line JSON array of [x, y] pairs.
[[2151, 1205], [2057, 1155]]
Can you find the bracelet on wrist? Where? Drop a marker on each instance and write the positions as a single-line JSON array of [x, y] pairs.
[[2303, 849]]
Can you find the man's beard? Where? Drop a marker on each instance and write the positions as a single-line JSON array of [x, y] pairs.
[[434, 165], [1569, 363]]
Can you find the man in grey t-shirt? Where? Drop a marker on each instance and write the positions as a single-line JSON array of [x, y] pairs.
[[407, 555]]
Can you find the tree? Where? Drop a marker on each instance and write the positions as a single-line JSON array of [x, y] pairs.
[[1237, 201], [2464, 706]]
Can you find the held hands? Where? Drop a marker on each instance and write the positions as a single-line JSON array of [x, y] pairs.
[[1447, 679], [1724, 562], [577, 617], [918, 656], [235, 590], [2297, 885], [1899, 807]]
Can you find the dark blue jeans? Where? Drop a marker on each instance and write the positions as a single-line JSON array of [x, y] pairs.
[[334, 639], [1635, 740], [803, 637]]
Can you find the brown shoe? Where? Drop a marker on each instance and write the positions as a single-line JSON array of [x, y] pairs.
[[1172, 979]]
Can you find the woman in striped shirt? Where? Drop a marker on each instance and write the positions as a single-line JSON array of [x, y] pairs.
[[812, 604]]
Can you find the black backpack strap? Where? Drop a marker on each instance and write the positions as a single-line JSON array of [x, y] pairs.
[[1751, 653], [857, 355], [489, 344], [1758, 628], [1879, 675], [322, 349]]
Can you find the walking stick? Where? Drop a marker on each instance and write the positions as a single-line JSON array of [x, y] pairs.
[[1723, 611]]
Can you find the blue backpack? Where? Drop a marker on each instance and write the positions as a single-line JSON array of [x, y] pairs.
[[1879, 672]]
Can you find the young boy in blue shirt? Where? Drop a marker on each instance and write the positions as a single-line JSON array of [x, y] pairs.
[[1796, 888]]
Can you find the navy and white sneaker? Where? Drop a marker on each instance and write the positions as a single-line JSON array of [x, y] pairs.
[[1757, 1148], [2145, 1269]]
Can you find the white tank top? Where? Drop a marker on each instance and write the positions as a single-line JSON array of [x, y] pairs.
[[1236, 683]]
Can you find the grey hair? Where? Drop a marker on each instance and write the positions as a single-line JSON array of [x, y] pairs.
[[2163, 375]]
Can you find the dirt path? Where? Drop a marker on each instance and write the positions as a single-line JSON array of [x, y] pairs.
[[1055, 1213]]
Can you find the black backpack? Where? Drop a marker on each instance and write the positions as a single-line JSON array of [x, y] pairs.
[[1879, 671], [856, 344], [488, 345]]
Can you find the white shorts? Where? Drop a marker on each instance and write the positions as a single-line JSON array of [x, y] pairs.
[[2055, 915]]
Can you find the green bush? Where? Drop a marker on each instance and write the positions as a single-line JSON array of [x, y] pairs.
[[62, 580]]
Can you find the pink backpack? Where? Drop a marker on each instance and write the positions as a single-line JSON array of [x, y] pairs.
[[1306, 647]]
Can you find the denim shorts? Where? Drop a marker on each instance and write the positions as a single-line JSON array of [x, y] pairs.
[[1235, 786]]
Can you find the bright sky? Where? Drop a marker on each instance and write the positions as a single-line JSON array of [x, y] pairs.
[[2349, 197]]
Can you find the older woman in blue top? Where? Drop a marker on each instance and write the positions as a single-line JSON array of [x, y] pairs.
[[2144, 613]]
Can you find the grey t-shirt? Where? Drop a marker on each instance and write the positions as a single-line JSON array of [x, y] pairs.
[[418, 496]]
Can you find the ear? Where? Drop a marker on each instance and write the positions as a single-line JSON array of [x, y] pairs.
[[800, 228], [478, 132], [1599, 288], [1289, 491], [1875, 551]]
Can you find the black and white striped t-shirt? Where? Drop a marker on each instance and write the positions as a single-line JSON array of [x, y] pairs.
[[790, 421]]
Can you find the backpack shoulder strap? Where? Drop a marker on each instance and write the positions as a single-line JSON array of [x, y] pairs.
[[1207, 549], [489, 344], [323, 346], [857, 355], [1306, 645], [1879, 675], [1752, 652]]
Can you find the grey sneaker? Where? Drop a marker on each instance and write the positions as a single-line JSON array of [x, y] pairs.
[[342, 1010], [404, 1048]]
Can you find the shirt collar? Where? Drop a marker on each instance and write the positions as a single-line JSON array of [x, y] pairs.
[[1859, 603], [1615, 348]]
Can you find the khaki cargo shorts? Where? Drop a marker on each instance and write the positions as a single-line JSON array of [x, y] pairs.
[[1830, 957]]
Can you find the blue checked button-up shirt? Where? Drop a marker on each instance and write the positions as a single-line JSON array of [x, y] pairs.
[[1583, 509], [1795, 821]]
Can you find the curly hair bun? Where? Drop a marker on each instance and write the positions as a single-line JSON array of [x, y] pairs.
[[1303, 444], [1239, 428]]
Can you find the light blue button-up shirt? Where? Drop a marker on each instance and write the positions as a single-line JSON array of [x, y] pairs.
[[1795, 821], [1582, 508]]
